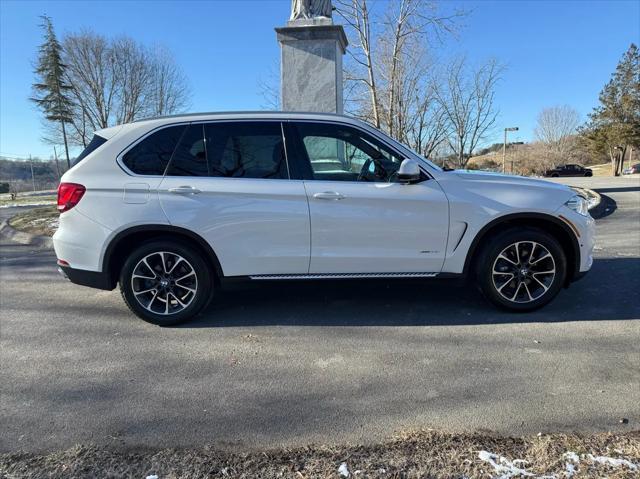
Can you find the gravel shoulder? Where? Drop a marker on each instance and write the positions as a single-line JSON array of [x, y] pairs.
[[419, 454]]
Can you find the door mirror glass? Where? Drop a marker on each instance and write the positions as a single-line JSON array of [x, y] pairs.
[[409, 172]]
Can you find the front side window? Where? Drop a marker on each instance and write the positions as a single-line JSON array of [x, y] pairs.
[[246, 150], [342, 153], [151, 155]]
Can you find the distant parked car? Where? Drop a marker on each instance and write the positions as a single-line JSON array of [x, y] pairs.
[[632, 170], [569, 170]]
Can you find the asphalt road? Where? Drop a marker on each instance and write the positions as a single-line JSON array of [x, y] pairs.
[[293, 364]]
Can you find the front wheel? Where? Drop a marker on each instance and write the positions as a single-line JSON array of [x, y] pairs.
[[522, 270], [165, 283]]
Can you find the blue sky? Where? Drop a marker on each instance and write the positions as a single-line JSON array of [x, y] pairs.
[[556, 52]]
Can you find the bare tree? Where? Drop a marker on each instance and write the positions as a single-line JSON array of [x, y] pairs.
[[429, 129], [356, 14], [269, 86], [132, 79], [90, 70], [556, 129], [118, 81], [168, 91], [467, 99], [389, 75]]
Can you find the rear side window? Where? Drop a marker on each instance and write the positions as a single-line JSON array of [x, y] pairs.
[[151, 156], [94, 144], [246, 150], [190, 158]]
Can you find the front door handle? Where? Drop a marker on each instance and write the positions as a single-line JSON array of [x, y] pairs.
[[184, 190], [329, 195]]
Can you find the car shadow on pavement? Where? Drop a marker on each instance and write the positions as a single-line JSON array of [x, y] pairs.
[[623, 189], [608, 292]]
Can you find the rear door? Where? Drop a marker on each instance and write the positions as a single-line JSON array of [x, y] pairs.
[[228, 181], [362, 219]]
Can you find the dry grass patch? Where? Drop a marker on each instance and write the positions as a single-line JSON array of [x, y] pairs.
[[39, 221], [426, 454]]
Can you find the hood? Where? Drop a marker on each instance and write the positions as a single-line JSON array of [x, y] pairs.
[[501, 178], [496, 192]]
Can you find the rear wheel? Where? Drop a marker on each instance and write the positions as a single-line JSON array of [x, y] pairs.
[[165, 283], [522, 270]]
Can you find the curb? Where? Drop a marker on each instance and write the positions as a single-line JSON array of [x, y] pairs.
[[39, 241]]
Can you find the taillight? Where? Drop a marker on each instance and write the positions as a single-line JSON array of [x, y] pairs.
[[69, 195]]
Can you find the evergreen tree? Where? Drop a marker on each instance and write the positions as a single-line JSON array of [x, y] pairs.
[[50, 88], [614, 125]]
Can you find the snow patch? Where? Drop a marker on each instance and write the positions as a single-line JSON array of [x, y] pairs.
[[571, 459], [506, 469], [503, 466], [41, 203], [611, 461], [343, 470]]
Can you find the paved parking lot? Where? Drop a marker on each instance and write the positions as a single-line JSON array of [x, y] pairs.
[[292, 364]]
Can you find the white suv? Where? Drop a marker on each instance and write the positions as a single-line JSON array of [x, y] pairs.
[[171, 208]]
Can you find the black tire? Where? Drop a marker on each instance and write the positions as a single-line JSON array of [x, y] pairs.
[[588, 173], [185, 298], [555, 175], [529, 269]]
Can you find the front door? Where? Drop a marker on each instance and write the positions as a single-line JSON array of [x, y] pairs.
[[362, 219], [229, 182]]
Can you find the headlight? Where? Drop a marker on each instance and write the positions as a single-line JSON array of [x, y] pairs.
[[578, 204]]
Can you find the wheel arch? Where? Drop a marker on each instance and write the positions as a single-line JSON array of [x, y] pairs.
[[551, 224], [126, 240]]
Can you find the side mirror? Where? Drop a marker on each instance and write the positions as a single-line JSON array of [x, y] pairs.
[[409, 171]]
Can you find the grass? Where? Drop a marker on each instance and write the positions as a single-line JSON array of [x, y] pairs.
[[27, 200], [601, 170], [427, 454], [39, 221]]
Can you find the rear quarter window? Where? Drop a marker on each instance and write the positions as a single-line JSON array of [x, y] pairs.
[[95, 143], [151, 155]]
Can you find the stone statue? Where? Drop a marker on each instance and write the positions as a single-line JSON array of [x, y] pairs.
[[301, 9]]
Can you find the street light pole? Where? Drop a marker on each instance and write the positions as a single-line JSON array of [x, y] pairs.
[[504, 148]]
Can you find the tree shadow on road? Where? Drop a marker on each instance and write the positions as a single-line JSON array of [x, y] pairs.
[[608, 292]]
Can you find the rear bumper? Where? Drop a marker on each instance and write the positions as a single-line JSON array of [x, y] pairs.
[[92, 279]]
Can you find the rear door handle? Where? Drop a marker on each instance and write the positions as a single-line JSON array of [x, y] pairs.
[[329, 195], [184, 190]]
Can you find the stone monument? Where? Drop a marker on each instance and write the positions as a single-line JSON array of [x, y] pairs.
[[311, 58]]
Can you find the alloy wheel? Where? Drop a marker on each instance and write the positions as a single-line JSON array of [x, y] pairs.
[[164, 283], [523, 272]]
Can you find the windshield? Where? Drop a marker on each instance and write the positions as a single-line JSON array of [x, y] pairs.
[[402, 146]]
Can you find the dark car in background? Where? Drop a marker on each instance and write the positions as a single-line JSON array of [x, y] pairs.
[[568, 170]]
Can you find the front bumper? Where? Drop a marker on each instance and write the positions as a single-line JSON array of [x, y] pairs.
[[584, 228]]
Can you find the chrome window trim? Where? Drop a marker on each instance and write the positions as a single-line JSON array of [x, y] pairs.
[[371, 131], [124, 151], [120, 162]]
